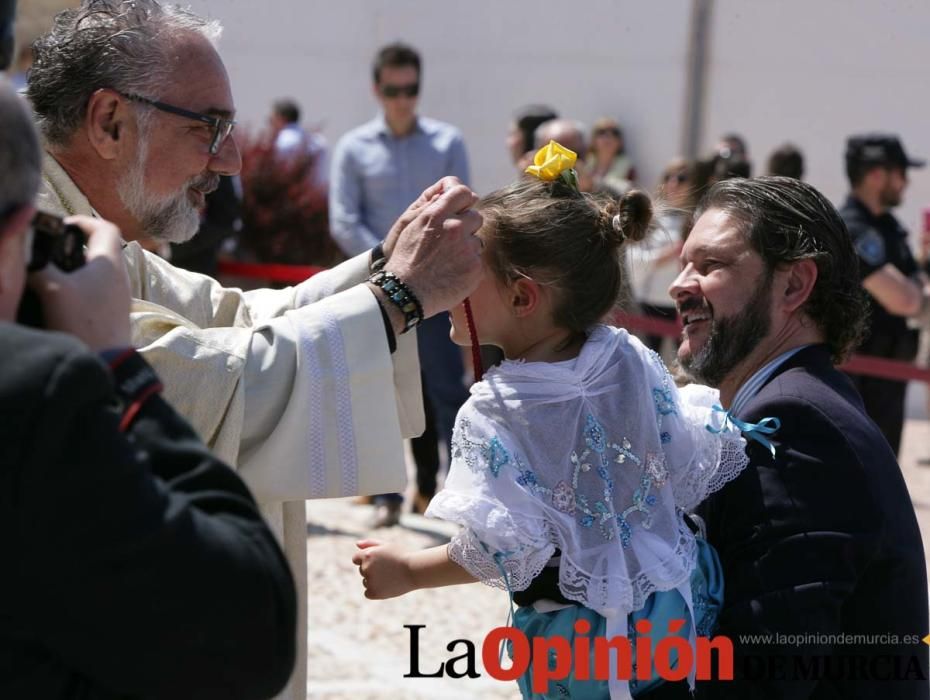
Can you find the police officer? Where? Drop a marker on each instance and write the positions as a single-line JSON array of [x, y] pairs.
[[876, 165]]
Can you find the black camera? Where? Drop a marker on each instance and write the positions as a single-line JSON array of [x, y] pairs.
[[53, 242], [56, 242]]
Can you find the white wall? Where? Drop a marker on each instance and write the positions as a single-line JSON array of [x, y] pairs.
[[482, 60], [815, 72], [809, 72]]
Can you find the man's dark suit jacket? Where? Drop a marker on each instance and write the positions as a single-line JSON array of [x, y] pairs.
[[820, 540]]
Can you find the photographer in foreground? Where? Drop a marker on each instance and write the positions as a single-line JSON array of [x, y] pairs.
[[135, 563]]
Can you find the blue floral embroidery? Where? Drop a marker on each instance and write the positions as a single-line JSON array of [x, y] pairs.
[[642, 500], [625, 452], [496, 456], [666, 438], [626, 532], [665, 403], [594, 435], [596, 506]]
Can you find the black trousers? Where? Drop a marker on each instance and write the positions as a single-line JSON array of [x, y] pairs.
[[884, 402]]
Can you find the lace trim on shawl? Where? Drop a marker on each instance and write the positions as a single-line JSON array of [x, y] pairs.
[[471, 554], [526, 561], [718, 457]]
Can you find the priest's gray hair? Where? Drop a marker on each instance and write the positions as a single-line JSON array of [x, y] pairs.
[[20, 163], [124, 45]]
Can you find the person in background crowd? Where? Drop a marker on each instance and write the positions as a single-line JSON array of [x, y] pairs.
[[568, 132], [876, 166], [20, 68], [653, 264], [378, 168], [572, 135], [520, 137], [292, 141], [732, 147], [717, 167], [611, 168], [788, 161]]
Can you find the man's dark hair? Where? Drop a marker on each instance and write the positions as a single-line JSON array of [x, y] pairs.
[[786, 220], [395, 56], [723, 167], [288, 110], [529, 119], [788, 161], [737, 144]]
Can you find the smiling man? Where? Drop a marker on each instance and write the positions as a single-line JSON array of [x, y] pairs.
[[818, 536], [307, 390]]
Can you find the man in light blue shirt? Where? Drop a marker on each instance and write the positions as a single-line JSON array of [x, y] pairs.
[[380, 167], [377, 169]]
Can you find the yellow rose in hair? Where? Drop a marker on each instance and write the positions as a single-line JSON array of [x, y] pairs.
[[551, 161]]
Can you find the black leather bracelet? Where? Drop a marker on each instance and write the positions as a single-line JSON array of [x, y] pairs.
[[401, 296]]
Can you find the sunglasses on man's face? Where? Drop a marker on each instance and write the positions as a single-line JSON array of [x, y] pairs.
[[608, 132], [392, 91], [680, 178]]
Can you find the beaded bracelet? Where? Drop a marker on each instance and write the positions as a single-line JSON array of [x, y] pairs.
[[401, 296]]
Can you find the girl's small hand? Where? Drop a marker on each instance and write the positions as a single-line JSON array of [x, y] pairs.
[[384, 569]]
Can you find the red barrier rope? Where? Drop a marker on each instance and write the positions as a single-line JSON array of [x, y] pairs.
[[867, 365], [291, 274], [648, 324], [477, 364], [885, 369]]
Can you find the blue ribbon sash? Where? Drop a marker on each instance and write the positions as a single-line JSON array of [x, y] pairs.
[[753, 431]]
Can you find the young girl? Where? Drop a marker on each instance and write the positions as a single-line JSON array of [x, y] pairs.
[[577, 452]]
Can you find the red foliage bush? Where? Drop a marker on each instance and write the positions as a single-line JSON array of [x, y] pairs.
[[284, 211]]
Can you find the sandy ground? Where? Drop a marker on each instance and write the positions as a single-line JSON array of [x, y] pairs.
[[359, 649]]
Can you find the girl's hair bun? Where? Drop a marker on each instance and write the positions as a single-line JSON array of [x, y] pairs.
[[628, 219]]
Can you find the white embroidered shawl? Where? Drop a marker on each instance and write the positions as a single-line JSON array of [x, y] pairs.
[[595, 456]]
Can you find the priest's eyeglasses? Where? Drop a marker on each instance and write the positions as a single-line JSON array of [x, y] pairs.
[[222, 127]]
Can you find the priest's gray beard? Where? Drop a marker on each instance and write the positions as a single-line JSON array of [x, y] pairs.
[[171, 218]]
